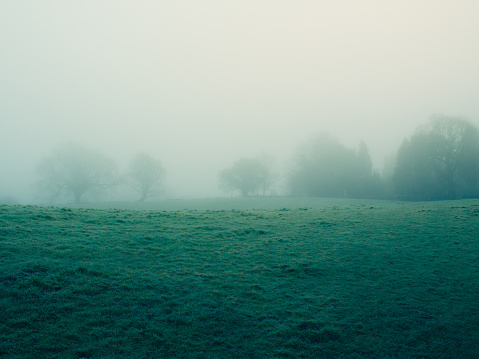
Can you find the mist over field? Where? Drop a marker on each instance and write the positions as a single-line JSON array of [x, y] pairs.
[[243, 179], [199, 85]]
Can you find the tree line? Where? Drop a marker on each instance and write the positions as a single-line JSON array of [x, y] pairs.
[[439, 161], [72, 171]]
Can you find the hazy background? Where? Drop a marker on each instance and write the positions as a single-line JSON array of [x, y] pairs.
[[201, 83]]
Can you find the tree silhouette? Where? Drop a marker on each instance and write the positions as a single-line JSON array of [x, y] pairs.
[[323, 167], [440, 161], [145, 175], [72, 169], [248, 175]]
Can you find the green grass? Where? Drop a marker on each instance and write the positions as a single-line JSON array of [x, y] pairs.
[[352, 280]]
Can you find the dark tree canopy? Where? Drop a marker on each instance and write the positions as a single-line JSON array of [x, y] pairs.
[[248, 175], [323, 167], [145, 175], [440, 161], [73, 170]]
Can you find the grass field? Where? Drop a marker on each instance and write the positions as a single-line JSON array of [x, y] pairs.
[[352, 279]]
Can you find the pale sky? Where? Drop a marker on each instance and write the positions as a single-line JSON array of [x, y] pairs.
[[200, 84]]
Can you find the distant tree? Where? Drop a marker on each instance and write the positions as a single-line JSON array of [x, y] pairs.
[[387, 175], [267, 174], [363, 163], [323, 167], [73, 170], [366, 181], [439, 161], [248, 175], [145, 175]]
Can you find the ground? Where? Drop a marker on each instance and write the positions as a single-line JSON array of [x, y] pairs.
[[330, 279]]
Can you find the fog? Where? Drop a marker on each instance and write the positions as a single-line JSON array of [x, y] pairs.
[[199, 84]]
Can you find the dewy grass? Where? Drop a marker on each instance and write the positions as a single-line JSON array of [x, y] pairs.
[[378, 280]]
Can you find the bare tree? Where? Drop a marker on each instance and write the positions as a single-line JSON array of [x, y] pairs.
[[145, 175], [73, 170]]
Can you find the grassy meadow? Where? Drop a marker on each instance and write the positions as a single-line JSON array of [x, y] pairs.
[[332, 279]]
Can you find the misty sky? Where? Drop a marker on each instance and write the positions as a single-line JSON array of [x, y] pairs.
[[201, 83]]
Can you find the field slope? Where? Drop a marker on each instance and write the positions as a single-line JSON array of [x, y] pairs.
[[385, 280]]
